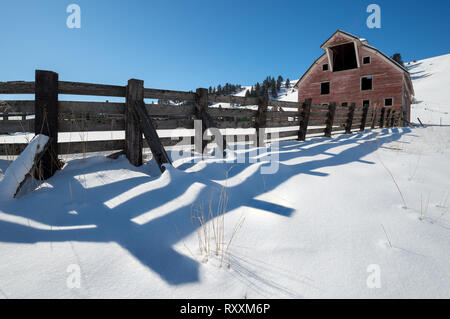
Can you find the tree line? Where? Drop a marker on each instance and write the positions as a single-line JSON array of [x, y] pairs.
[[269, 86]]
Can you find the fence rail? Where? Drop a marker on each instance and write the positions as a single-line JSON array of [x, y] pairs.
[[299, 118]]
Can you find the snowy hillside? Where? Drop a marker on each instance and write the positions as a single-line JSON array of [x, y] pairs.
[[286, 94], [431, 78], [356, 216]]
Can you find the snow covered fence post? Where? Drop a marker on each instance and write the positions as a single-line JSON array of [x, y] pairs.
[[46, 120], [305, 111], [350, 114], [133, 133], [261, 119], [362, 128], [330, 119]]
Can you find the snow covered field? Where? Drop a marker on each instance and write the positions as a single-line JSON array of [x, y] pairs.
[[335, 209]]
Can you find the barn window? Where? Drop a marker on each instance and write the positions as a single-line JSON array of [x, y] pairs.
[[366, 83], [344, 57], [325, 67], [325, 88], [366, 60], [345, 104], [366, 103], [388, 102]]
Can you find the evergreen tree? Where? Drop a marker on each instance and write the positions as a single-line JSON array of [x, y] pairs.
[[279, 81], [288, 84], [397, 57]]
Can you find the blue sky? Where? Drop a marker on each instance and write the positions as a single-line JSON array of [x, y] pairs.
[[182, 44]]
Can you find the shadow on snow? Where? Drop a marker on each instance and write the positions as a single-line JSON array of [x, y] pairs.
[[152, 242]]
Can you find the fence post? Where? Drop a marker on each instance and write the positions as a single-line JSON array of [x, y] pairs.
[[350, 115], [133, 133], [305, 111], [391, 119], [374, 117], [201, 104], [330, 119], [46, 120], [382, 116], [387, 120], [364, 118], [261, 119]]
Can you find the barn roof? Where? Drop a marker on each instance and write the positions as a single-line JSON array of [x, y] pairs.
[[364, 43]]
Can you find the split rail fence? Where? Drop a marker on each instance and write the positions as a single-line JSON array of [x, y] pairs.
[[47, 115]]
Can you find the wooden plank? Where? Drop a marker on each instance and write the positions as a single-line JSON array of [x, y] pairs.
[[133, 133], [78, 88], [169, 95], [90, 146], [304, 116], [17, 107], [151, 136], [330, 120], [17, 87], [243, 113], [340, 121], [282, 114], [91, 125], [154, 110], [220, 98], [92, 108], [46, 121], [316, 108], [22, 126], [290, 135], [234, 124], [319, 114], [349, 123], [314, 122], [338, 129], [281, 123], [316, 130], [67, 148], [287, 104], [173, 124], [168, 141], [12, 149]]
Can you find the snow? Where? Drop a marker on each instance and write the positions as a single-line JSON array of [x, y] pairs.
[[312, 230], [18, 169]]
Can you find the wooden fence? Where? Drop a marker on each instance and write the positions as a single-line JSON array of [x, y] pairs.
[[52, 116]]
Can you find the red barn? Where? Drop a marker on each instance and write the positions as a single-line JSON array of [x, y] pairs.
[[350, 71]]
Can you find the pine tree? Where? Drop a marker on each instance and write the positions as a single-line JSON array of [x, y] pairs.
[[397, 57], [279, 81], [288, 84]]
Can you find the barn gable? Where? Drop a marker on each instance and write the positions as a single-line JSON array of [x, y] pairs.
[[342, 52]]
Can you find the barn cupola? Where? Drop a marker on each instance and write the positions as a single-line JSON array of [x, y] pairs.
[[342, 51]]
